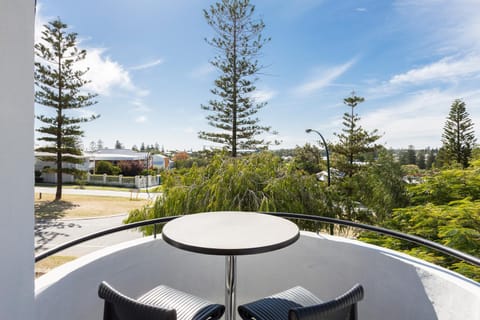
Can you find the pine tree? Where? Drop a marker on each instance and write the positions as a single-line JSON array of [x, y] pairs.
[[421, 159], [411, 155], [238, 41], [431, 158], [354, 141], [458, 135], [58, 86]]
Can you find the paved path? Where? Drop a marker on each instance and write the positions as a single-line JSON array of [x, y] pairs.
[[51, 233]]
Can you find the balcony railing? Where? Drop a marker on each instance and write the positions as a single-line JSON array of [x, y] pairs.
[[303, 217]]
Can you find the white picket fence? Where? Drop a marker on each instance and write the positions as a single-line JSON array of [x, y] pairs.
[[107, 180]]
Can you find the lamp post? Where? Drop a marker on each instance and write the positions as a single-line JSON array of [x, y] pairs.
[[326, 149]]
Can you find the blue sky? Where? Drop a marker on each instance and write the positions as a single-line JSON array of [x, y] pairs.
[[149, 64]]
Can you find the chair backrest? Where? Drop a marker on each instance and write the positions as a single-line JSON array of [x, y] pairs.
[[121, 307], [343, 307]]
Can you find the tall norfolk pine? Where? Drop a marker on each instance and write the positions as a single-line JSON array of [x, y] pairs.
[[458, 136], [58, 84], [354, 141], [238, 42]]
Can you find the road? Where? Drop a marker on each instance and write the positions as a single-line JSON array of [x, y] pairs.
[[51, 233]]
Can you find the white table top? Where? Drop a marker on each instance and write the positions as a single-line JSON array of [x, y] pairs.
[[230, 233]]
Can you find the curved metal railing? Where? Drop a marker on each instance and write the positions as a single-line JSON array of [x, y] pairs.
[[155, 222]]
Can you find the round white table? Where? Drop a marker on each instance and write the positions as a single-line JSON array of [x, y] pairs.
[[230, 234]]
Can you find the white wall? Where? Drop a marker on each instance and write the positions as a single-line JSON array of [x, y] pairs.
[[16, 159], [397, 286]]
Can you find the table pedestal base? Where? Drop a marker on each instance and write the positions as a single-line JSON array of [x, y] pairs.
[[230, 287]]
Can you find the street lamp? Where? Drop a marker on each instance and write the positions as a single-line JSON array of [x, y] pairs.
[[326, 149]]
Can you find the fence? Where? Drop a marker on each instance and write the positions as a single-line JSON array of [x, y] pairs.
[[121, 181]]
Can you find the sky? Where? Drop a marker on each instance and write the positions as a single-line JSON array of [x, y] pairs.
[[149, 64]]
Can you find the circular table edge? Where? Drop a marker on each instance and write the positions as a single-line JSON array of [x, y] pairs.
[[232, 252]]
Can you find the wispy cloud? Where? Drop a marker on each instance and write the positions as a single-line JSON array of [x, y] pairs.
[[361, 9], [418, 117], [446, 69], [324, 78], [263, 95], [147, 65], [202, 71], [450, 26]]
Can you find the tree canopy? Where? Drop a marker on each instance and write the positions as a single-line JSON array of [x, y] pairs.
[[354, 141], [238, 41], [458, 135]]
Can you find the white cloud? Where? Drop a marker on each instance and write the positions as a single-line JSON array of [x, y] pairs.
[[447, 69], [324, 78], [105, 74], [419, 118], [263, 95], [361, 9], [451, 25], [147, 65]]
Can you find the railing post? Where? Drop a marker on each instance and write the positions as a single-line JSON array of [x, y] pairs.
[[154, 231]]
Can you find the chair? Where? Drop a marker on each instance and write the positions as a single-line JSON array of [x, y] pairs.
[[160, 303], [300, 304]]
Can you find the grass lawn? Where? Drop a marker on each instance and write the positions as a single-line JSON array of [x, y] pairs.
[[81, 206], [51, 262]]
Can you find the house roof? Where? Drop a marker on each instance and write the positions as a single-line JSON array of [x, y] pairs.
[[116, 155]]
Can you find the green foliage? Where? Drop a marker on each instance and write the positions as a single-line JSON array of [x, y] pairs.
[[239, 42], [307, 158], [354, 141], [447, 185], [105, 167], [381, 187], [458, 135], [456, 225], [257, 182], [58, 86]]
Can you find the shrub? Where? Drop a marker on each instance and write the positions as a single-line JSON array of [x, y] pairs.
[[105, 167], [257, 182], [131, 168]]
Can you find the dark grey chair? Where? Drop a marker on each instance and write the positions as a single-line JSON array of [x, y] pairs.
[[160, 303], [300, 304]]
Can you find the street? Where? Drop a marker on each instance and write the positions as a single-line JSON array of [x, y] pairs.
[[51, 233]]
